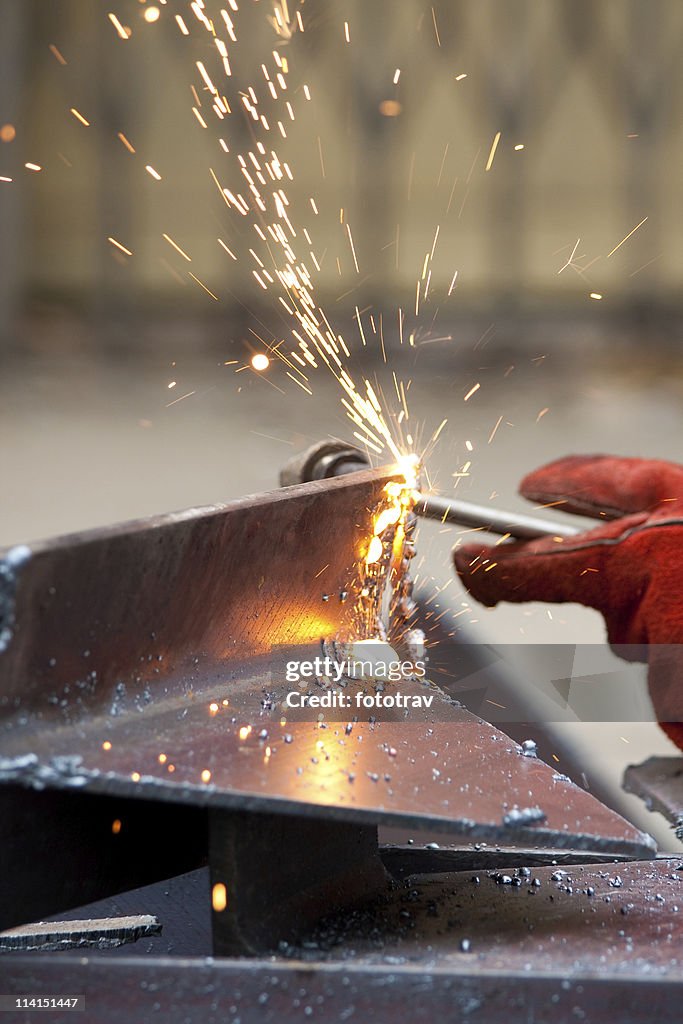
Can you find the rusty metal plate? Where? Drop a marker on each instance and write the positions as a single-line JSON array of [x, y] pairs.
[[101, 933], [118, 643], [453, 773], [446, 948], [622, 919], [587, 943]]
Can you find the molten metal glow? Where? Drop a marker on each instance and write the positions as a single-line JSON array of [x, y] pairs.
[[219, 897], [375, 551]]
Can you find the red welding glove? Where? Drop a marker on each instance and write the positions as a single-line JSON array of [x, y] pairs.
[[630, 568]]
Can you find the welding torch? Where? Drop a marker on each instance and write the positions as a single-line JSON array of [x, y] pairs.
[[337, 458]]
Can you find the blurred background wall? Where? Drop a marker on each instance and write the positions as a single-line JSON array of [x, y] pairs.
[[591, 91]]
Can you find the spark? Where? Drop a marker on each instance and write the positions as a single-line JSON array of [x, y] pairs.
[[443, 163], [182, 26], [106, 745], [638, 270], [123, 33], [494, 147], [207, 80], [116, 826], [436, 28], [450, 198], [353, 248], [182, 397], [129, 146], [79, 117], [571, 257], [397, 75], [202, 285], [519, 147], [120, 246], [360, 327], [316, 342], [301, 385], [8, 133], [452, 284], [162, 759], [152, 14], [33, 167], [438, 431], [57, 55], [150, 170], [260, 361], [219, 897], [347, 34], [436, 236], [206, 775], [224, 246], [471, 392], [411, 171], [177, 247], [460, 77], [595, 295], [631, 232]]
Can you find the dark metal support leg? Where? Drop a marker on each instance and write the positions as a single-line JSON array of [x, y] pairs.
[[283, 873]]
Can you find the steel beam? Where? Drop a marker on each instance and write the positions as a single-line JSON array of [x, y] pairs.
[[146, 663]]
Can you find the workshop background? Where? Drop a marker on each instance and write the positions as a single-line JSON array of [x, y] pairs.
[[536, 135]]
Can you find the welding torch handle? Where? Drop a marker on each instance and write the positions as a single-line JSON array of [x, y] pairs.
[[486, 519]]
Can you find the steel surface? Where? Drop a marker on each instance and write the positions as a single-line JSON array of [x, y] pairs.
[[118, 643]]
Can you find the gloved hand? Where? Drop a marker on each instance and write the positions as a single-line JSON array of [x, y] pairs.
[[630, 568]]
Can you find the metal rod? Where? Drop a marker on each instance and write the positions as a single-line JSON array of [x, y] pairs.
[[337, 458], [482, 517]]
